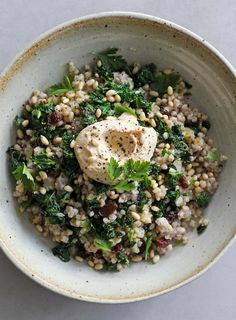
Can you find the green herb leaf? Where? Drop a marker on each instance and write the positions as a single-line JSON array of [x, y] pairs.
[[50, 209], [103, 245], [146, 75], [111, 62], [122, 258], [60, 88], [136, 170], [130, 236], [62, 252], [133, 97], [43, 162], [147, 248], [15, 158], [211, 155], [124, 185], [87, 224], [18, 121], [121, 109], [67, 150], [113, 169], [22, 173]]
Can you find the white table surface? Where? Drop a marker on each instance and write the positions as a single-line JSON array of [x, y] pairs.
[[212, 296]]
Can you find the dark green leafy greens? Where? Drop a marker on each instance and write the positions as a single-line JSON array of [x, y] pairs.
[[111, 62], [67, 150], [203, 199], [43, 162], [163, 81], [62, 252], [201, 228], [146, 75], [50, 209]]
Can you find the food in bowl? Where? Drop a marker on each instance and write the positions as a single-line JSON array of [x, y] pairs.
[[112, 164]]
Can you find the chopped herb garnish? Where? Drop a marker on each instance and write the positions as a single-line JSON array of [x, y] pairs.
[[131, 171], [146, 75], [67, 150], [43, 162], [60, 88], [113, 169], [147, 248], [22, 173], [103, 245], [121, 109], [211, 155]]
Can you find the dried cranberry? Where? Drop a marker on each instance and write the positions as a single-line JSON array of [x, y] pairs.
[[170, 216], [183, 182], [118, 247], [162, 242], [97, 255], [164, 111], [55, 117], [109, 208]]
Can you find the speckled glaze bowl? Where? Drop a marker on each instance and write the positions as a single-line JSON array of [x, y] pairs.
[[145, 39]]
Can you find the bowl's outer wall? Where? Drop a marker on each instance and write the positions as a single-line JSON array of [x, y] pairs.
[[213, 92]]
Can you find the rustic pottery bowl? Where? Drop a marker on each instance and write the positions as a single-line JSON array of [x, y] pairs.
[[140, 38]]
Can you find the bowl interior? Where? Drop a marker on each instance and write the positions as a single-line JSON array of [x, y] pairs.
[[140, 40]]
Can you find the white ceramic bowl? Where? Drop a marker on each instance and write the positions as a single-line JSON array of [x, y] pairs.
[[145, 39]]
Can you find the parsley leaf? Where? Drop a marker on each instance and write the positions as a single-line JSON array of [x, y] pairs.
[[121, 109], [132, 171], [124, 185], [113, 169], [103, 245], [22, 173], [136, 170], [61, 87]]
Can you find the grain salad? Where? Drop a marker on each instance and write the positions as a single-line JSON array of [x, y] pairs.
[[112, 164]]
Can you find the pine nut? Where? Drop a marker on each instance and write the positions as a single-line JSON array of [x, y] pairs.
[[44, 140]]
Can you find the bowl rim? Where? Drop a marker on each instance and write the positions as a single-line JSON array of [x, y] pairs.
[[41, 41]]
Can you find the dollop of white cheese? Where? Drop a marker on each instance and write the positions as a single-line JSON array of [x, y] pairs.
[[121, 138]]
